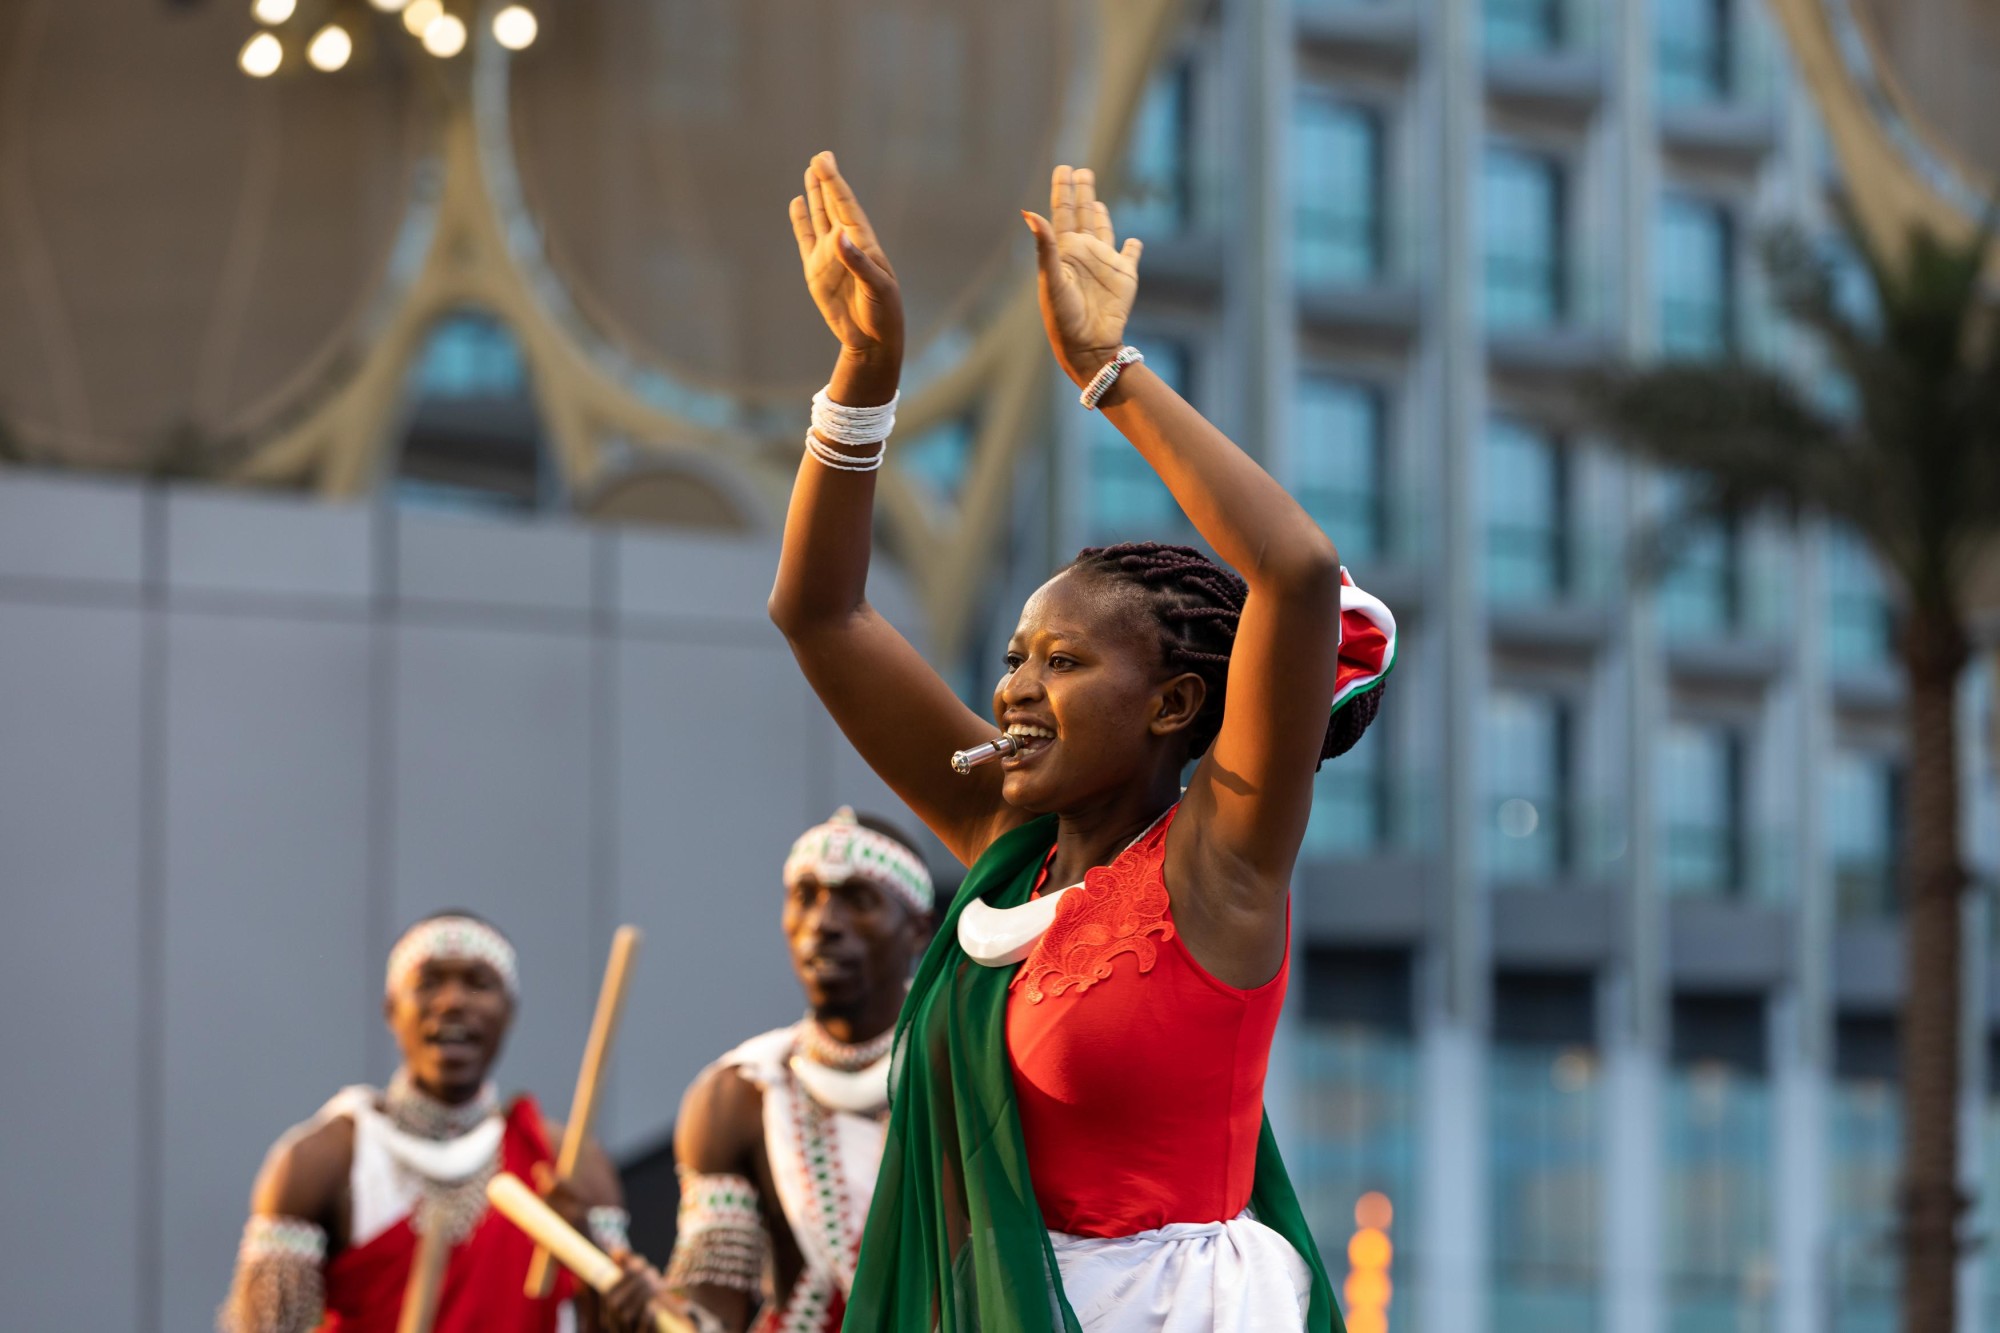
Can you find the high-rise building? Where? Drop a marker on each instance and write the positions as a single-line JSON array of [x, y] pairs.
[[1597, 932]]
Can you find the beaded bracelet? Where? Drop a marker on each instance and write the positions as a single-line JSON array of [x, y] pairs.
[[840, 424], [1107, 375]]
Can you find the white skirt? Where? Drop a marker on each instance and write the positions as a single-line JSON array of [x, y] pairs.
[[1237, 1276]]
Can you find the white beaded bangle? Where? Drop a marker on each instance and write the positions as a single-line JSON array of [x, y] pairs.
[[840, 424], [1107, 375], [831, 457]]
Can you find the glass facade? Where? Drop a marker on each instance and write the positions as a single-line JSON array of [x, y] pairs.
[[1545, 1147], [1337, 189], [1701, 798], [473, 440], [938, 458], [1352, 812], [1866, 1139], [1701, 592], [1520, 26], [1526, 756], [1864, 832], [1694, 258], [1693, 46], [1720, 1265], [1339, 458], [1128, 501], [1158, 195], [1860, 625], [1523, 238], [1527, 530]]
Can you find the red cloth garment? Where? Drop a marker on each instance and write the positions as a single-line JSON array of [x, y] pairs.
[[482, 1282], [1139, 1076]]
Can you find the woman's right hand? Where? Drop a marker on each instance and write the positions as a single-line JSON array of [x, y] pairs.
[[848, 273]]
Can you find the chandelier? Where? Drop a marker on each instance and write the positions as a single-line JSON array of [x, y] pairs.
[[323, 34]]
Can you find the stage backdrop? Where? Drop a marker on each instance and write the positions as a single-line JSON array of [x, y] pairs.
[[248, 739]]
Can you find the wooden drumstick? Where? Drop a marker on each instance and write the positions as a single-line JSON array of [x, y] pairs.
[[596, 1269], [583, 1107], [420, 1293]]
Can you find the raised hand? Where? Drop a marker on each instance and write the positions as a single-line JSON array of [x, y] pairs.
[[846, 271], [1086, 282]]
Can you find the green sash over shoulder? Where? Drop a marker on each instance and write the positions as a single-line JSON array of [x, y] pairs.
[[955, 1240]]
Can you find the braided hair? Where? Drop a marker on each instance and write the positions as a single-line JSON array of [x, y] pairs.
[[1198, 603]]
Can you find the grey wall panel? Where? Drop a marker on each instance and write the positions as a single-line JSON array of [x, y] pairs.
[[707, 578], [478, 562], [492, 779], [271, 983], [71, 1023], [273, 546], [63, 528], [714, 764]]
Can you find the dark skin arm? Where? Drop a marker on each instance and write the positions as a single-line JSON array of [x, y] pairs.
[[898, 712], [306, 1177], [1231, 851]]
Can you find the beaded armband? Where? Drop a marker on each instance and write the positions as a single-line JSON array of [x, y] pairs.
[[610, 1227], [722, 1241], [279, 1285]]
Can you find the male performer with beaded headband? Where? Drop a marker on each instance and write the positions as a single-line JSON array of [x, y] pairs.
[[779, 1140], [341, 1200]]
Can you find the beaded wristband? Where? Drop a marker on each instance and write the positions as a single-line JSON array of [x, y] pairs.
[[831, 457], [840, 424], [1107, 375]]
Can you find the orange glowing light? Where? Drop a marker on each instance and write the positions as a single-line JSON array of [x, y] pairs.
[[1367, 1321], [1373, 1209], [1366, 1287], [1369, 1249]]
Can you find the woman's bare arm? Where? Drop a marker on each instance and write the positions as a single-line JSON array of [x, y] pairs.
[[1251, 795], [895, 709]]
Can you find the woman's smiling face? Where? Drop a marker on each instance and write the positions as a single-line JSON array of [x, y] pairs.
[[1087, 696]]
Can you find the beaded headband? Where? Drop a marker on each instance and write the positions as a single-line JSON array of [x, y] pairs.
[[843, 848], [455, 937]]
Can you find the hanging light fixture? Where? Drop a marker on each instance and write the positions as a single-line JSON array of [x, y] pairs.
[[273, 12], [330, 48], [389, 6], [445, 36], [261, 56], [515, 27]]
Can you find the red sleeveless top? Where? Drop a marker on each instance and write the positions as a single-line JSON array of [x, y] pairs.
[[482, 1285], [1140, 1077]]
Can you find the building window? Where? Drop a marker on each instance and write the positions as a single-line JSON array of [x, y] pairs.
[[1720, 1233], [1359, 1091], [1337, 189], [1158, 196], [1522, 217], [1701, 595], [1523, 26], [1527, 749], [1339, 459], [1694, 258], [1351, 807], [474, 439], [1860, 628], [1527, 501], [939, 458], [1864, 832], [1866, 1150], [1128, 501], [1694, 47], [1701, 800], [1545, 1153]]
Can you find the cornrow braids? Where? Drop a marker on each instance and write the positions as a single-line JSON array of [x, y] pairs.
[[1198, 604]]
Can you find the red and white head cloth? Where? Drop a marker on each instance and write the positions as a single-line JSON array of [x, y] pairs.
[[844, 848], [455, 938], [1367, 642]]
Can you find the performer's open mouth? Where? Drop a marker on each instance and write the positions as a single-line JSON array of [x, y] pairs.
[[1029, 740], [454, 1039]]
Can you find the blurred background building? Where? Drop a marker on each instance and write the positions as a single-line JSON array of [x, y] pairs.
[[1594, 1023]]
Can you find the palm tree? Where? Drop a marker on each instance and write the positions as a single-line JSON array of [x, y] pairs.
[[1913, 468]]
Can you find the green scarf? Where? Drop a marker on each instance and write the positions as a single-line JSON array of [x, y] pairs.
[[954, 1240]]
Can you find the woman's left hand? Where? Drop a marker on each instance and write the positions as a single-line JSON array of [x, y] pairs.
[[846, 270], [1087, 283]]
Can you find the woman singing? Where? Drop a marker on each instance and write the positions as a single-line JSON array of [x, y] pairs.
[[1077, 1139]]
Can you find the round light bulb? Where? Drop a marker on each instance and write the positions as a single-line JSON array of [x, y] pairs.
[[445, 37], [515, 27], [420, 15], [330, 48], [273, 12], [261, 56], [388, 6]]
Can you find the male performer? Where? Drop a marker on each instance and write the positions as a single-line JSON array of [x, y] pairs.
[[778, 1141], [341, 1200]]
